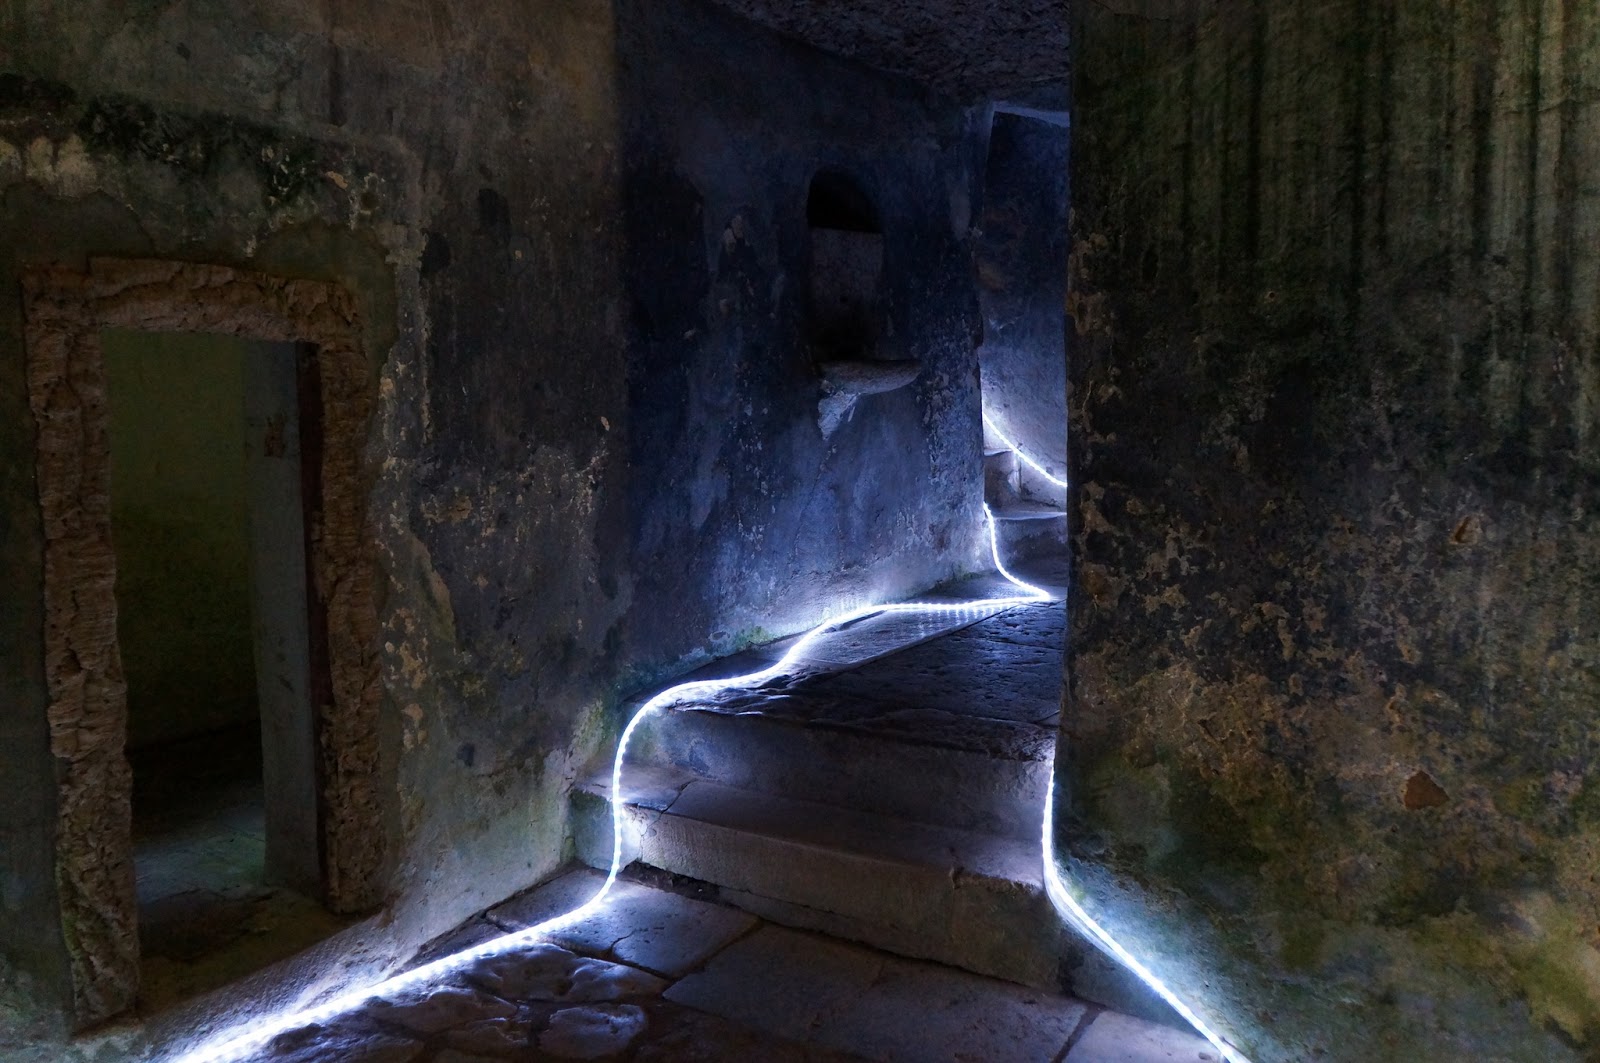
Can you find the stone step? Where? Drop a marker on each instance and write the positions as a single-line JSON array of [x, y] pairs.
[[1023, 509], [958, 732], [1028, 529], [1000, 476], [955, 897], [970, 900], [921, 765]]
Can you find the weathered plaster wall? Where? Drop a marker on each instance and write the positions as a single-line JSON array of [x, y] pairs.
[[565, 490], [747, 519], [966, 50], [1334, 680], [1022, 270], [457, 177]]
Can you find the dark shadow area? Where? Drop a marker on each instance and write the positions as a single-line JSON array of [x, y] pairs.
[[207, 914], [214, 636]]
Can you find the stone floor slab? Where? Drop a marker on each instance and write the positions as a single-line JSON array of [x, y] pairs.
[[922, 1012], [596, 1031], [1116, 1038], [538, 972], [685, 1035], [781, 982], [657, 930], [856, 1001]]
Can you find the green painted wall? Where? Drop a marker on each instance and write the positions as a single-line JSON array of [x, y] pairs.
[[180, 527]]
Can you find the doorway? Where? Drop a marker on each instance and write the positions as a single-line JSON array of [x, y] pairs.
[[215, 627], [315, 758]]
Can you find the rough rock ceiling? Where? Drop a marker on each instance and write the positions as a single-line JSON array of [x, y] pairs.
[[966, 48]]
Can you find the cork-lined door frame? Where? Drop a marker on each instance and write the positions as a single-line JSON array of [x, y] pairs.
[[65, 313]]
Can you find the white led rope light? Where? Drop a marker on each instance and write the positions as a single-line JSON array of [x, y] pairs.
[[1027, 460], [257, 1034]]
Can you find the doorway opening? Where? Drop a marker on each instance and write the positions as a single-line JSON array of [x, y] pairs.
[[325, 773], [214, 448], [1021, 260]]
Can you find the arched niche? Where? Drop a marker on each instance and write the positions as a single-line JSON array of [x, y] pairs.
[[846, 311], [846, 282]]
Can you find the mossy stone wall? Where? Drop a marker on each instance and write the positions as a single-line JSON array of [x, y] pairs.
[[1334, 678]]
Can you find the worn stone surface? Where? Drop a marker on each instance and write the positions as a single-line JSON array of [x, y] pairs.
[[545, 972], [800, 987], [548, 489], [776, 994], [641, 927], [352, 1039], [683, 1035], [747, 523], [970, 900], [1336, 515], [960, 730], [967, 50], [1005, 668], [592, 1032], [1108, 1037], [780, 981], [1022, 272], [430, 1009]]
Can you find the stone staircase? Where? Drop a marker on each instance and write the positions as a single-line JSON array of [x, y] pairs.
[[889, 792], [1028, 509]]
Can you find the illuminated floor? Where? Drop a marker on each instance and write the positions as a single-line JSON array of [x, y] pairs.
[[665, 975]]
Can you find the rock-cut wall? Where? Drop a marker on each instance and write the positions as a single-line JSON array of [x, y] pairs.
[[1333, 700]]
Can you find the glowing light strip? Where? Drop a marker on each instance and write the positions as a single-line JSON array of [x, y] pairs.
[[1026, 459], [258, 1034], [1056, 888]]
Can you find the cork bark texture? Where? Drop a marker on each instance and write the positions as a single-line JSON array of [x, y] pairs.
[[65, 314], [1333, 699]]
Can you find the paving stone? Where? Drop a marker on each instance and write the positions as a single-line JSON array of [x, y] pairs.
[[685, 1035], [593, 1031], [559, 895], [542, 972], [800, 987], [779, 981], [431, 1008], [596, 981], [1006, 668], [347, 1040], [919, 1011], [642, 927], [534, 971], [496, 1038], [958, 897], [1115, 1038]]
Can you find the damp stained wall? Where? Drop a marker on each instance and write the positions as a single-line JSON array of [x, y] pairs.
[[454, 175], [1333, 712], [749, 517], [473, 179]]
